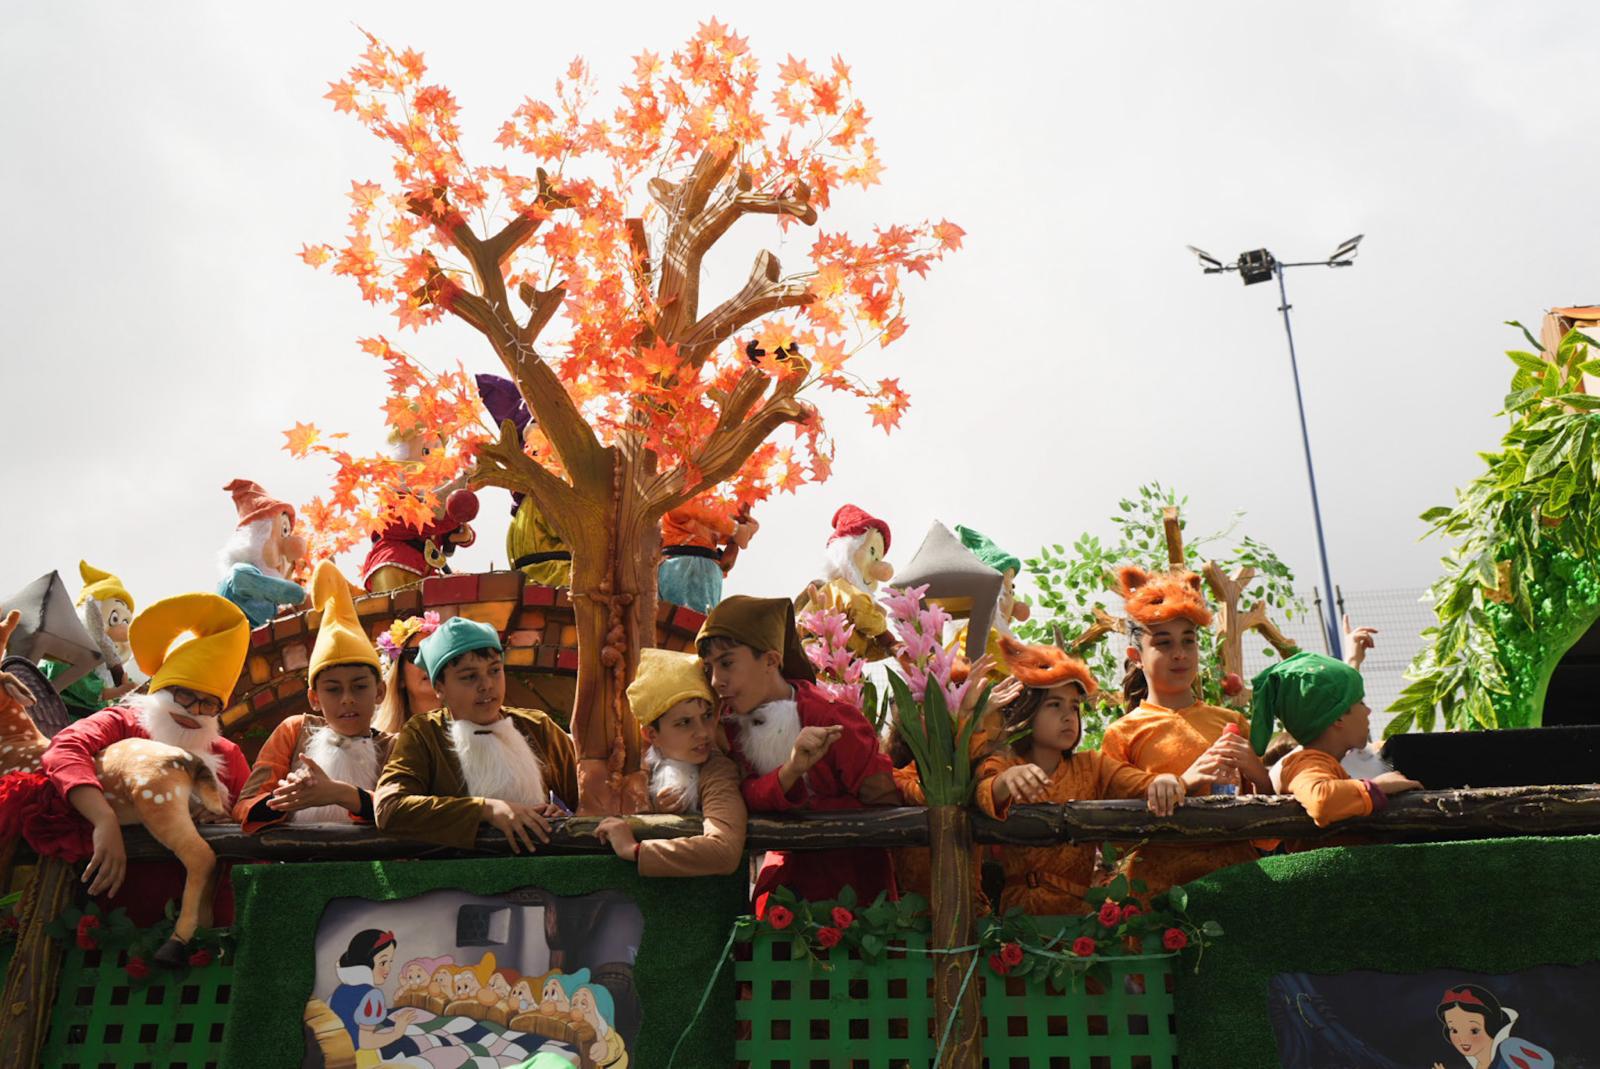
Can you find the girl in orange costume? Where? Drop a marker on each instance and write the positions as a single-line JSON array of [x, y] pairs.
[[1042, 764], [1165, 728]]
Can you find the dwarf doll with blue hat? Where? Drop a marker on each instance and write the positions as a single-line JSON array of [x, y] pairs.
[[475, 761], [1319, 701]]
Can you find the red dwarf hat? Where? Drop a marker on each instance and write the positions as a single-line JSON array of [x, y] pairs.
[[255, 503], [850, 521]]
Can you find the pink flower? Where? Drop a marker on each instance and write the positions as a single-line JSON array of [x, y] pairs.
[[779, 917], [1083, 946], [1110, 914], [1174, 939], [1011, 954], [829, 937], [842, 918], [1130, 911]]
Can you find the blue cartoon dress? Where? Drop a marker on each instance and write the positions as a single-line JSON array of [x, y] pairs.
[[1514, 1053], [363, 1006]]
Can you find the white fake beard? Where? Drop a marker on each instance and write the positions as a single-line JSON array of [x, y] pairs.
[[767, 734], [248, 545], [1364, 763], [497, 762], [155, 716], [667, 774], [348, 760]]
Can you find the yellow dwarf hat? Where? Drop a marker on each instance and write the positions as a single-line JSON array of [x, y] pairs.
[[100, 585], [340, 638], [664, 679], [193, 640]]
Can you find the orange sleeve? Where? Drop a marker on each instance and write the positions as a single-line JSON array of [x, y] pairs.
[[1116, 742], [909, 783], [272, 764], [987, 773], [1118, 779], [1325, 790]]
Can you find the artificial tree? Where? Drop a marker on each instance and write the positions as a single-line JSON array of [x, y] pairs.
[[642, 399]]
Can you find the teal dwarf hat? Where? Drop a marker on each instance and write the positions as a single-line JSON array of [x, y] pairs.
[[983, 547], [1307, 692], [454, 637]]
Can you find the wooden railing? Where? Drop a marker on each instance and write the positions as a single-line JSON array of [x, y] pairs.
[[1420, 816]]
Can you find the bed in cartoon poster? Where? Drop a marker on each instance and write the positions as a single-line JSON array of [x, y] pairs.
[[453, 980], [1539, 1018]]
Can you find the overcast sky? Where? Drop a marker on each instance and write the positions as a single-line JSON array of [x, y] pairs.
[[163, 163]]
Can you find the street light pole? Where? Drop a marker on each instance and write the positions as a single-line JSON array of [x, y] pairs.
[[1332, 632], [1258, 265]]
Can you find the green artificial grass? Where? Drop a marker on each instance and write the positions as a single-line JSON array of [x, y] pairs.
[[686, 926], [1493, 906]]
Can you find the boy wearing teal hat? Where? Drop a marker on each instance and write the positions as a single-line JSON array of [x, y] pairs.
[[1319, 701], [475, 761]]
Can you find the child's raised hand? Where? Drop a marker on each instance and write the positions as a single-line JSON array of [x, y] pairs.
[[811, 744], [1392, 783], [1357, 641], [1004, 693], [1023, 784], [1164, 795]]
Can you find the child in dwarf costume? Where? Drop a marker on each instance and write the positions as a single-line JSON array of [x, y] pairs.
[[474, 761], [262, 554], [856, 549], [1042, 764], [322, 766], [688, 774], [1165, 728], [193, 647], [106, 609], [796, 749], [1320, 702], [698, 546]]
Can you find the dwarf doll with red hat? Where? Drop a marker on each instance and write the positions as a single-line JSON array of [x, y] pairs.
[[404, 553], [261, 556], [855, 566]]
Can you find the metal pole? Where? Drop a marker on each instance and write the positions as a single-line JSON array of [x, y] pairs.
[[1335, 645]]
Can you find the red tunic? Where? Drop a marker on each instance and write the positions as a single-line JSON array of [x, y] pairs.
[[833, 783], [400, 546], [69, 762]]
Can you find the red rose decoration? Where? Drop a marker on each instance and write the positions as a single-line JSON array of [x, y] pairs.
[[31, 806], [779, 917], [1083, 946], [1011, 954], [998, 964], [137, 968], [1130, 911], [1110, 914], [829, 937], [86, 926], [200, 958], [842, 918], [1174, 939]]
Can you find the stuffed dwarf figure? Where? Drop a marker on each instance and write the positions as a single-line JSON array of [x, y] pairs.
[[532, 545], [404, 553], [106, 608], [699, 544], [1007, 610], [855, 567], [261, 556]]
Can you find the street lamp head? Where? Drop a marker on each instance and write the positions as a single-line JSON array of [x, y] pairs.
[[1345, 253], [1257, 265], [1209, 263]]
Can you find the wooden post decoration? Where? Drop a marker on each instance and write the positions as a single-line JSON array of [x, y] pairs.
[[951, 854], [1174, 530], [1232, 625], [30, 983]]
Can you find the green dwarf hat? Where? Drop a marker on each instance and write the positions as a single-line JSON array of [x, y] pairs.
[[985, 550], [454, 637], [1307, 692]]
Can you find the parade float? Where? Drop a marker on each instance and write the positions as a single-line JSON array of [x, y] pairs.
[[1450, 925]]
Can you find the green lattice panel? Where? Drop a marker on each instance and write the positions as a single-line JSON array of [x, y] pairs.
[[880, 1016], [103, 1020]]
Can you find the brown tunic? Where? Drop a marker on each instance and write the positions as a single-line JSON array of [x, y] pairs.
[[717, 849], [422, 793]]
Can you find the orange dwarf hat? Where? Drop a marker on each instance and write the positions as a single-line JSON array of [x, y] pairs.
[[1156, 599], [254, 503], [1046, 666]]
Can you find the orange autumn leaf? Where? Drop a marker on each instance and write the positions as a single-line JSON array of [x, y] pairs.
[[301, 437]]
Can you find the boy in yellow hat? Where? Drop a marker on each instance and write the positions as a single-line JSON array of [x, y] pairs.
[[322, 767], [688, 774], [192, 646], [475, 761], [105, 608]]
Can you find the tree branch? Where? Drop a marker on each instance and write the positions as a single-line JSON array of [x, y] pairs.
[[504, 463], [736, 436], [763, 293]]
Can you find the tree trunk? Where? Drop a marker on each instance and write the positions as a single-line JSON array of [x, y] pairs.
[[950, 861], [614, 607], [30, 983]]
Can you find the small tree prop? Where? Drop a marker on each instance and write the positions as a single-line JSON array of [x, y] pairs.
[[642, 398]]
